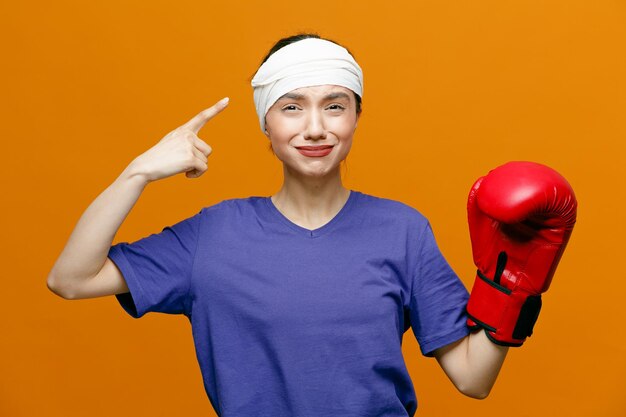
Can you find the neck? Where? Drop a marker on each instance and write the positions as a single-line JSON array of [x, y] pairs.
[[311, 201]]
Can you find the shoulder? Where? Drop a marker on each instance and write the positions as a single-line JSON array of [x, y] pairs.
[[388, 208], [233, 207], [231, 203]]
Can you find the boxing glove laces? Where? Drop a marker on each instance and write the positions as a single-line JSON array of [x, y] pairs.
[[520, 216]]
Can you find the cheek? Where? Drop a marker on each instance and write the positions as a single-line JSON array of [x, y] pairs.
[[283, 128], [342, 126], [280, 126]]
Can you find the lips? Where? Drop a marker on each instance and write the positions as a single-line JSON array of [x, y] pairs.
[[314, 148]]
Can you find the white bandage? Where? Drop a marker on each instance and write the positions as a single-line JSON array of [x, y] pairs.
[[304, 63]]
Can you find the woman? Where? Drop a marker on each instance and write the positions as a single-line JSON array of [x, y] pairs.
[[298, 301]]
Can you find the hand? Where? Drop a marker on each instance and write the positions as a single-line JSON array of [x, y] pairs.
[[521, 216], [181, 150]]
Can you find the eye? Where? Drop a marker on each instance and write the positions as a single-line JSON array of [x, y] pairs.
[[336, 107], [290, 107]]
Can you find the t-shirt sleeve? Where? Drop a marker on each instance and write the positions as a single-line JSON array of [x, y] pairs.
[[158, 269], [438, 298]]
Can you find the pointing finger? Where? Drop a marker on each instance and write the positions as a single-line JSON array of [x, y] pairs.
[[198, 121]]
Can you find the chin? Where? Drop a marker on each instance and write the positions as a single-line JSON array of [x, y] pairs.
[[313, 172]]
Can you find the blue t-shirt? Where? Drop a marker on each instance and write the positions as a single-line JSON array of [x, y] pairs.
[[288, 321]]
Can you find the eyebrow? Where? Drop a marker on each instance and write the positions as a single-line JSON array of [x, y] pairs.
[[331, 96]]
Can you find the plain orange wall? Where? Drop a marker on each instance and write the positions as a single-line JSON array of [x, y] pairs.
[[452, 89]]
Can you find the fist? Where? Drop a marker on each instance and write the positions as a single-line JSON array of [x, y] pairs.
[[520, 216]]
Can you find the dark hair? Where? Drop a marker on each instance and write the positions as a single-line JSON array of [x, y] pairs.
[[300, 36]]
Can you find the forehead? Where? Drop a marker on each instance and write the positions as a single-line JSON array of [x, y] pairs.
[[319, 91]]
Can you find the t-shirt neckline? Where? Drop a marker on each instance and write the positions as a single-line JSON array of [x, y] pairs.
[[314, 232]]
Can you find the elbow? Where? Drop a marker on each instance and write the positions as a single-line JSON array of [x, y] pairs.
[[478, 393], [58, 289]]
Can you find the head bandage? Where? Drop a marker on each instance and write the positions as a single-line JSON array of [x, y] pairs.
[[304, 63]]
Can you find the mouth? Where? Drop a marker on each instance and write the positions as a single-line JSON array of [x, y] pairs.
[[314, 148], [315, 151]]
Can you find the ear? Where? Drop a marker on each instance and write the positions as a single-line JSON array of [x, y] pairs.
[[265, 131]]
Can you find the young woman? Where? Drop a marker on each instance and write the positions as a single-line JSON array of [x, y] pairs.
[[298, 301]]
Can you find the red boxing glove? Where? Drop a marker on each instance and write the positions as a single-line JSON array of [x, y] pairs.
[[520, 216]]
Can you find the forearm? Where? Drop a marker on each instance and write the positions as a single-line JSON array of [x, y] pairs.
[[87, 247], [473, 364], [484, 361]]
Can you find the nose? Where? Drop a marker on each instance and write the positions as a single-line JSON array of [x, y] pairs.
[[315, 129]]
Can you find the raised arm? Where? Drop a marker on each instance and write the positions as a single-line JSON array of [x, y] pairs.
[[85, 253], [83, 269], [521, 216], [472, 364]]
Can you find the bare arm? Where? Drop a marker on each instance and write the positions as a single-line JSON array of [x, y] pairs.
[[472, 363], [83, 269], [86, 250]]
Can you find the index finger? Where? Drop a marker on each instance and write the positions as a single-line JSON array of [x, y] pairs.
[[198, 121]]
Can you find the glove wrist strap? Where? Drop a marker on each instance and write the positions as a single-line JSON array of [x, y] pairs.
[[507, 315]]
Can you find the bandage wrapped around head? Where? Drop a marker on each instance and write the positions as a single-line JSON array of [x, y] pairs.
[[304, 63]]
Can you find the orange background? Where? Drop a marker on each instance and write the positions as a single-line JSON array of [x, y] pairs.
[[452, 89]]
